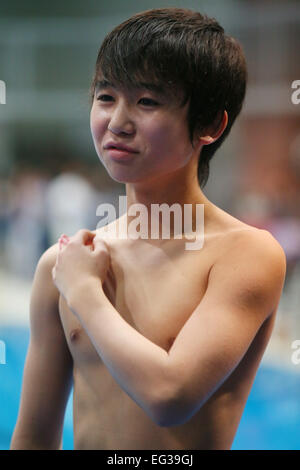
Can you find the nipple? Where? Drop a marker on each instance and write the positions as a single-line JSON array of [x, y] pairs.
[[74, 334]]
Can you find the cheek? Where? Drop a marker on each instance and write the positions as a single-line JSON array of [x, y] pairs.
[[170, 137], [98, 125]]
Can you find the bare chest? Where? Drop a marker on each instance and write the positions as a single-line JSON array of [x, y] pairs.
[[154, 289]]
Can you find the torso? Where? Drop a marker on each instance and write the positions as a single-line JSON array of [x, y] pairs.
[[155, 288]]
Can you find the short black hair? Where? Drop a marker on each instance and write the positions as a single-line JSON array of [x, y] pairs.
[[186, 53]]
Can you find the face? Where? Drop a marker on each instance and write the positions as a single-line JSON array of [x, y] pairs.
[[153, 126]]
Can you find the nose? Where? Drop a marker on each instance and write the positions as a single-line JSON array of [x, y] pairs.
[[121, 120]]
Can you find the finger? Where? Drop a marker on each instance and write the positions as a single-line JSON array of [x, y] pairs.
[[100, 247], [101, 255], [63, 241], [84, 236]]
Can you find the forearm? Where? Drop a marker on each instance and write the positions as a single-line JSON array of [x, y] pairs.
[[20, 441], [139, 366]]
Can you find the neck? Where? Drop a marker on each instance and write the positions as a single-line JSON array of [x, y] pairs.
[[177, 188], [170, 191]]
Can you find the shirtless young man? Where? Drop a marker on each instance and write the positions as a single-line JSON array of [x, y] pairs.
[[162, 343]]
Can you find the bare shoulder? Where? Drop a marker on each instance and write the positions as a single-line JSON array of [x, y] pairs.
[[44, 292], [250, 269], [48, 258], [254, 249], [258, 242], [238, 240]]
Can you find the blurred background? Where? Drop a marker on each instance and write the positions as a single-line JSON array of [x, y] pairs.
[[51, 180]]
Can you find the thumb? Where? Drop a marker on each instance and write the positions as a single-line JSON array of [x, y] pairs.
[[102, 257], [100, 246], [84, 237]]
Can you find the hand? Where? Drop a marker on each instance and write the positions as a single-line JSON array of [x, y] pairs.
[[82, 259]]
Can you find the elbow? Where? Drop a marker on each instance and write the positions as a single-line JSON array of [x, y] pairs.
[[172, 412], [174, 404], [165, 421], [178, 409], [170, 416]]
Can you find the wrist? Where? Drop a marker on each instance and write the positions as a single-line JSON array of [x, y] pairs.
[[84, 295]]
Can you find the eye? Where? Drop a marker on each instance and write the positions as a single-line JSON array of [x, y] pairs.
[[104, 97], [148, 102], [143, 101]]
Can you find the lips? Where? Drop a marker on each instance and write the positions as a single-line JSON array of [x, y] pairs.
[[121, 155], [120, 147]]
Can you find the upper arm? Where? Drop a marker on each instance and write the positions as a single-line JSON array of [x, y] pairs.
[[244, 288], [47, 377]]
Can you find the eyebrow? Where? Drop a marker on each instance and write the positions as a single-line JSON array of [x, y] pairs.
[[100, 84]]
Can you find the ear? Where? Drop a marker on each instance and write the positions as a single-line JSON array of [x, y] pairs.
[[214, 132]]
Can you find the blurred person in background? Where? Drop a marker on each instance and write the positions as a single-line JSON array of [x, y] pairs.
[[69, 204], [25, 224]]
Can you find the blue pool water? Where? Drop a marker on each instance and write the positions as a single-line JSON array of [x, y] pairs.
[[270, 421]]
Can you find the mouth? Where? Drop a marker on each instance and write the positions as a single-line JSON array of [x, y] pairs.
[[118, 154], [120, 147]]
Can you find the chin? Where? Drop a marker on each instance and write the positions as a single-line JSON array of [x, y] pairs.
[[121, 177], [122, 174]]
